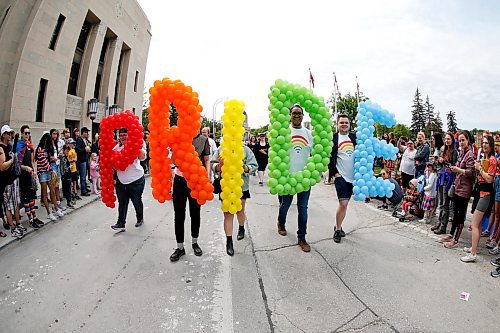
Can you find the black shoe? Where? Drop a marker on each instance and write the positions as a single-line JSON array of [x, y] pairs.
[[241, 234], [6, 224], [118, 227], [34, 225], [342, 233], [337, 236], [77, 197], [38, 222], [139, 223], [177, 254], [86, 194], [229, 247], [22, 228], [495, 273], [197, 250]]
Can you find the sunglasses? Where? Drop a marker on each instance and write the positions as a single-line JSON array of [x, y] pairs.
[[27, 133]]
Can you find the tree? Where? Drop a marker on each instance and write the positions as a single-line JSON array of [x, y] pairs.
[[438, 122], [174, 116], [206, 122], [348, 105], [452, 122], [262, 129], [428, 113], [145, 106], [417, 114], [401, 130]]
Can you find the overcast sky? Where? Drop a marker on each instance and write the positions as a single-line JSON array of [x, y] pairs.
[[450, 50]]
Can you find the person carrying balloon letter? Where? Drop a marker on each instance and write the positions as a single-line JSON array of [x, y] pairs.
[[430, 192], [341, 168], [180, 194], [302, 142], [129, 185], [250, 165]]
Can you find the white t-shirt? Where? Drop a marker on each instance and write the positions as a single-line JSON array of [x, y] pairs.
[[345, 158], [302, 142], [213, 146], [134, 171], [408, 162]]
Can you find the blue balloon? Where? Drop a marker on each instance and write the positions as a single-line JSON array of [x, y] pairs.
[[362, 169], [356, 190], [364, 190], [367, 177], [360, 182], [357, 176]]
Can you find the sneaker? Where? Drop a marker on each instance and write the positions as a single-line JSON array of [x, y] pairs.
[[139, 223], [485, 233], [51, 217], [5, 224], [86, 194], [342, 233], [38, 222], [337, 236], [73, 202], [304, 246], [495, 250], [77, 197], [495, 262], [241, 234], [118, 227], [197, 250], [59, 213], [467, 249], [16, 233], [435, 228], [469, 257], [177, 254], [60, 206], [70, 205], [281, 229], [34, 225], [496, 272], [22, 228], [451, 244], [491, 244]]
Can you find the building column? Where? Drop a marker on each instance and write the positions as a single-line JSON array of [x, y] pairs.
[[88, 70], [111, 69]]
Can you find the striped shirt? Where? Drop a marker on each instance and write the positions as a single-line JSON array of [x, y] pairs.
[[42, 160]]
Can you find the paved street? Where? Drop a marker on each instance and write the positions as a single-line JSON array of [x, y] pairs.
[[77, 275]]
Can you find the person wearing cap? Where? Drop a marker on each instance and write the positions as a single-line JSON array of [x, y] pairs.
[[72, 159], [129, 185], [9, 183], [341, 169], [82, 151], [261, 154], [76, 133], [407, 165]]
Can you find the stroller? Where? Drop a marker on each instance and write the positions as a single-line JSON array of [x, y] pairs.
[[412, 203]]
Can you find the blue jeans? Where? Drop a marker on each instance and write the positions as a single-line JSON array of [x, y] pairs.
[[302, 201], [82, 170]]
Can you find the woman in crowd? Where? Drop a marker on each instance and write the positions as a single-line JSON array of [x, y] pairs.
[[462, 189], [95, 145], [260, 153], [437, 144], [42, 155], [407, 166], [448, 156], [486, 174], [129, 186], [249, 166], [55, 165], [422, 155], [9, 183], [252, 143], [391, 140], [27, 180]]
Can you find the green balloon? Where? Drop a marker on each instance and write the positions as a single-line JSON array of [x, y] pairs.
[[326, 161], [284, 110], [293, 181], [282, 118], [314, 107], [287, 188], [300, 98], [306, 182], [276, 160], [272, 141], [276, 125], [311, 166], [275, 112], [293, 191], [272, 182], [289, 94], [282, 153], [318, 148], [273, 190], [273, 133], [282, 180], [280, 140], [316, 158], [276, 173], [299, 188], [325, 143], [307, 174], [308, 104], [275, 91], [320, 166], [278, 105], [272, 154], [273, 100], [283, 167], [280, 188], [323, 134], [315, 174], [318, 128], [284, 131], [299, 177], [282, 97], [312, 182]]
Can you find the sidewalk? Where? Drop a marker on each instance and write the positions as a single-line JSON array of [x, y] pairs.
[[42, 215]]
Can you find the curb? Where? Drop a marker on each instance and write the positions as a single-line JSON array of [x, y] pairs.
[[30, 230]]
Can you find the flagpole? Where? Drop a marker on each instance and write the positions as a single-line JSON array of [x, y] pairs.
[[334, 95], [357, 90], [310, 76]]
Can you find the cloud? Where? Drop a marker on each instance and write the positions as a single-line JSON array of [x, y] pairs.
[[237, 49]]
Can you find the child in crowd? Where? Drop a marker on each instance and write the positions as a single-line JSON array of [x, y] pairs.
[[430, 192], [411, 197], [72, 157], [94, 172], [66, 176]]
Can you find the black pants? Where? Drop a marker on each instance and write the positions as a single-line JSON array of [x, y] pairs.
[[459, 211], [133, 192], [66, 187], [181, 193]]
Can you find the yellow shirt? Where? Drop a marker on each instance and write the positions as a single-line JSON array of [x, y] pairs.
[[72, 159]]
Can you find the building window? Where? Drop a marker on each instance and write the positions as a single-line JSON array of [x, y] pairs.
[[57, 30], [4, 16], [77, 58], [41, 100], [100, 68], [118, 75], [135, 81]]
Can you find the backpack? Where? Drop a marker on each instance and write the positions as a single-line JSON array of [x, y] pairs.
[[7, 177]]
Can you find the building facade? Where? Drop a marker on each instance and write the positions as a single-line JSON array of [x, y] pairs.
[[65, 62]]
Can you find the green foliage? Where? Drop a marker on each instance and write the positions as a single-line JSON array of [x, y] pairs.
[[174, 116], [418, 122], [255, 131], [206, 122], [452, 122], [348, 105], [145, 119], [398, 130]]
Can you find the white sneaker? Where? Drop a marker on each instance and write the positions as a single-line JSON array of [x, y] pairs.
[[495, 250], [51, 217], [469, 258], [59, 213], [491, 244], [467, 249]]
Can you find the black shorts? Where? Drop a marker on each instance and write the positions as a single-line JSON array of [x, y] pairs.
[[344, 188], [246, 195], [405, 179], [262, 164], [74, 176]]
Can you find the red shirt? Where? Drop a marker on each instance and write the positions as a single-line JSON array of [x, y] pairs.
[[492, 168]]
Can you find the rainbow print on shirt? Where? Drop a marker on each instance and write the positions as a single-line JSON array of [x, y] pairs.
[[298, 143], [347, 147]]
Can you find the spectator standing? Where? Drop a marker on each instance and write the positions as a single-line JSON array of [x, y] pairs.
[[66, 177], [82, 151], [407, 166], [94, 172], [55, 165], [429, 199], [422, 155], [213, 147], [261, 154], [45, 175]]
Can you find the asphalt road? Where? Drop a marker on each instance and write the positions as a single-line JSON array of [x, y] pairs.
[[78, 275]]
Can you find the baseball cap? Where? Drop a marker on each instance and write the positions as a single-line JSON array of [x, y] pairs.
[[84, 129], [71, 140], [6, 129]]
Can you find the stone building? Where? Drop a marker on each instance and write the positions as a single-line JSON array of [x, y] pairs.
[[65, 62]]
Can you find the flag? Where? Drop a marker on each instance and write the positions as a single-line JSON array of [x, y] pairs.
[[311, 78], [335, 84]]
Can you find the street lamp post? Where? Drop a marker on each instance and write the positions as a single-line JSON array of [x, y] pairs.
[[214, 113], [92, 109]]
